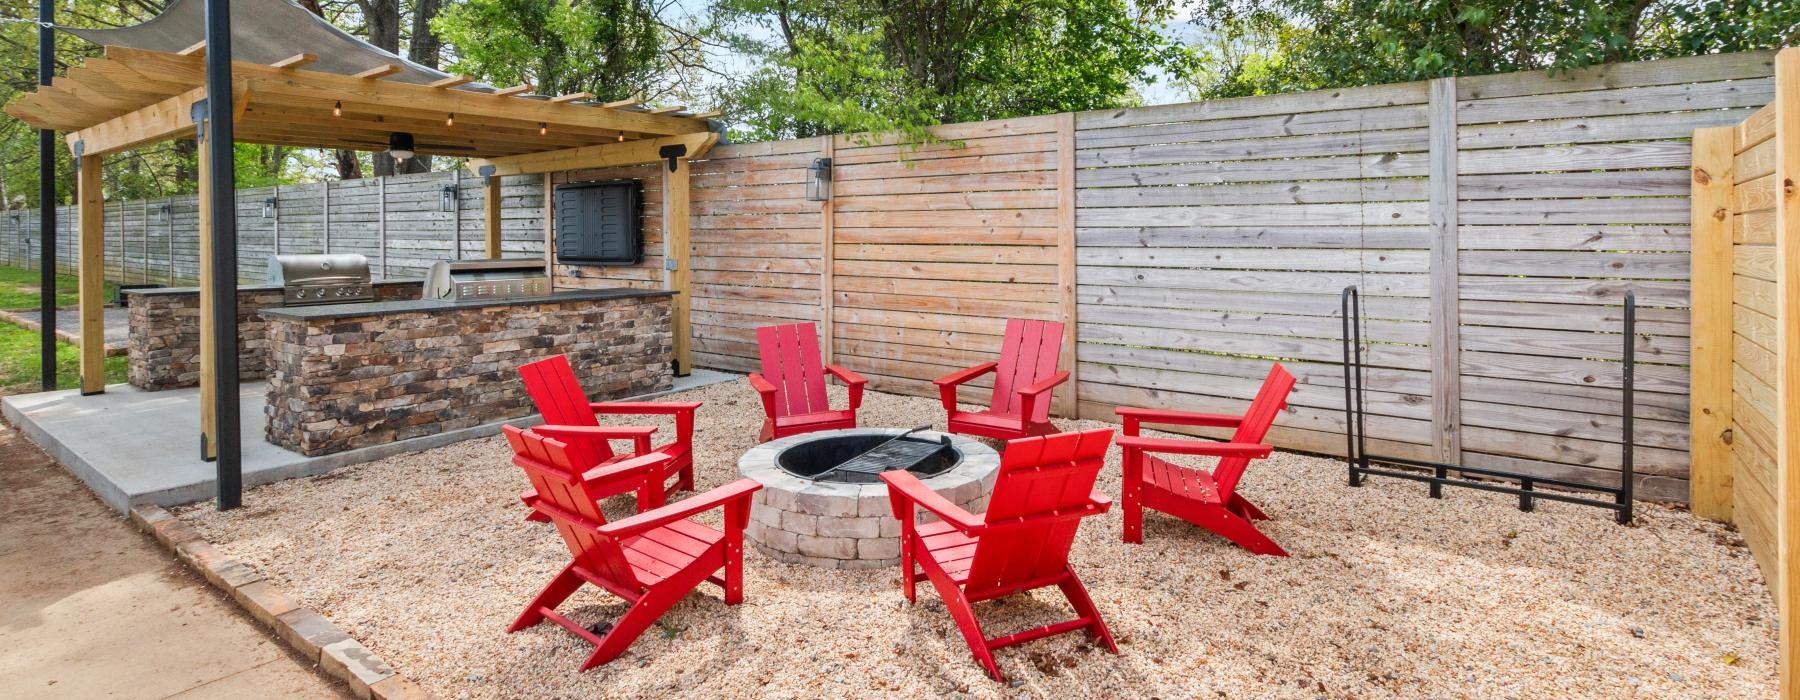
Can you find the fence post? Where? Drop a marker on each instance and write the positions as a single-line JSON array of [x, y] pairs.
[[1070, 406], [828, 257], [1710, 332], [1446, 334], [325, 213], [1787, 358], [456, 214], [381, 223]]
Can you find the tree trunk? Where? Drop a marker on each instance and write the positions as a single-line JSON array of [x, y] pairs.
[[349, 167]]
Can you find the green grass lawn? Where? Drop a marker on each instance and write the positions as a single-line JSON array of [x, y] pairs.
[[19, 362], [19, 289], [19, 347]]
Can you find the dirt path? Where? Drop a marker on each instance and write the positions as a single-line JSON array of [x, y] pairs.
[[90, 607]]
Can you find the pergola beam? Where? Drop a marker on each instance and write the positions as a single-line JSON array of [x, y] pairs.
[[601, 156], [168, 119]]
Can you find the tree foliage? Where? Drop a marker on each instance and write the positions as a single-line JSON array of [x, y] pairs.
[[882, 65], [1262, 46]]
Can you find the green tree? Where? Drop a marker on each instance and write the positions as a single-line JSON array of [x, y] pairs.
[[1263, 46], [613, 49], [883, 66]]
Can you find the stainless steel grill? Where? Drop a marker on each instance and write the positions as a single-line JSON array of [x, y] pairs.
[[307, 280], [486, 279]]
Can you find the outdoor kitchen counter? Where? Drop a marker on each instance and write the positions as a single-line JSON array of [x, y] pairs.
[[162, 349], [346, 376]]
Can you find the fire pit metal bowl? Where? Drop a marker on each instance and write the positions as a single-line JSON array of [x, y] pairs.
[[844, 520]]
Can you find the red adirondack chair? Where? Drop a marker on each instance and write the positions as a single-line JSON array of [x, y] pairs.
[[1023, 381], [792, 383], [1021, 543], [652, 559], [1209, 500], [568, 416]]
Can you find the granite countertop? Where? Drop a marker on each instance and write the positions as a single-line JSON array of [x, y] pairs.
[[380, 308], [157, 291]]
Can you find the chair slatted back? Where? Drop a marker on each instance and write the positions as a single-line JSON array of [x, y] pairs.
[[548, 464], [790, 361], [1269, 402], [1038, 476], [1028, 354], [557, 393]]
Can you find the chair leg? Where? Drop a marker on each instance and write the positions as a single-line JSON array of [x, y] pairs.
[[650, 495], [1239, 530], [908, 583], [963, 612], [560, 588], [645, 612], [1242, 507], [686, 480], [1132, 506], [1084, 606]]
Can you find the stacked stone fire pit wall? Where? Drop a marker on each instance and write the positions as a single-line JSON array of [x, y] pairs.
[[163, 348], [411, 369]]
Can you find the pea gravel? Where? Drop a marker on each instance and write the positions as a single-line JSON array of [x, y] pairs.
[[426, 558]]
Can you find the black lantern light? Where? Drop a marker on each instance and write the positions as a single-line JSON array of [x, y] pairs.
[[269, 205], [447, 198], [818, 186]]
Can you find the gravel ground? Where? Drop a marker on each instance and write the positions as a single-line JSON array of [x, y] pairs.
[[426, 558]]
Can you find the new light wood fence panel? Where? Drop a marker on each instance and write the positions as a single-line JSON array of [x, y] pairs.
[[1214, 238], [648, 273], [756, 248], [1573, 189], [936, 247]]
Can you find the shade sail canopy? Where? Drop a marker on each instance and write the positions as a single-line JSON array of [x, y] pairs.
[[298, 81], [266, 31]]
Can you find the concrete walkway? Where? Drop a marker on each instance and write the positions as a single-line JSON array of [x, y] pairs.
[[91, 608], [117, 325]]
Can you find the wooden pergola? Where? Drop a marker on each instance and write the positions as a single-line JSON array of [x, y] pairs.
[[131, 97]]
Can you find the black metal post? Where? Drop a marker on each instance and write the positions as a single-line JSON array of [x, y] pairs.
[[1629, 415], [223, 282], [47, 207]]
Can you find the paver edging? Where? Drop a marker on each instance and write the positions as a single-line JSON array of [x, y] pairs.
[[312, 635]]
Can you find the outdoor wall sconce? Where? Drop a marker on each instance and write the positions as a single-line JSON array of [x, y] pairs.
[[162, 213], [447, 199], [268, 209], [818, 187]]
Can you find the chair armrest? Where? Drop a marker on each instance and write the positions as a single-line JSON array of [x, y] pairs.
[[767, 390], [947, 384], [638, 466], [682, 410], [648, 408], [1196, 447], [652, 519], [1031, 395], [853, 380], [639, 435], [905, 490], [1134, 416]]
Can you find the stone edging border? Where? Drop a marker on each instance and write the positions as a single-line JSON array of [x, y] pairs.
[[308, 632]]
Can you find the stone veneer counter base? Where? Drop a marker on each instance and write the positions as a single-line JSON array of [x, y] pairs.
[[347, 376]]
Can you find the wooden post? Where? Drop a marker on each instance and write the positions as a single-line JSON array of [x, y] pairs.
[[1069, 406], [490, 207], [91, 271], [550, 227], [1446, 319], [676, 275], [1787, 343], [827, 259], [1710, 332], [209, 355]]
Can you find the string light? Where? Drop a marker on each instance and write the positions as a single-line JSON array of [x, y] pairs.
[[543, 129], [621, 136], [450, 120], [337, 109]]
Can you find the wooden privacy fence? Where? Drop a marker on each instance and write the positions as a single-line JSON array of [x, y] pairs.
[[1492, 223], [1746, 338], [399, 222]]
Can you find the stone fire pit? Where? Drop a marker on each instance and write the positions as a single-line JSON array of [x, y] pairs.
[[849, 525]]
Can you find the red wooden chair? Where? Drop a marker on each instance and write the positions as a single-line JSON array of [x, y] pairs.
[[1023, 381], [1021, 543], [1209, 500], [792, 383], [569, 417], [652, 559]]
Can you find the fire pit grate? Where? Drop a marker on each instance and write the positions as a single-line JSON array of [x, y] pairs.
[[861, 458]]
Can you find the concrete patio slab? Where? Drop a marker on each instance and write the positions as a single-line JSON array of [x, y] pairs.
[[133, 447]]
